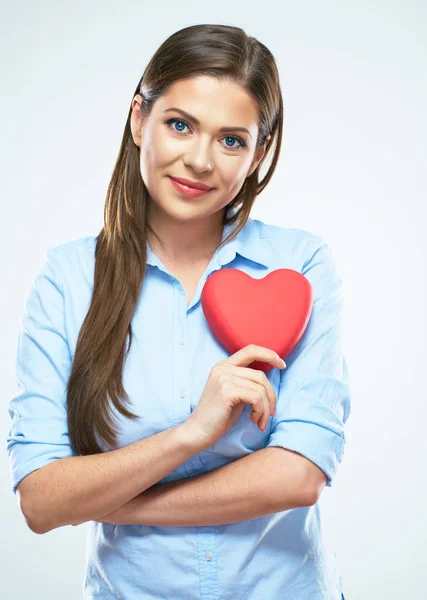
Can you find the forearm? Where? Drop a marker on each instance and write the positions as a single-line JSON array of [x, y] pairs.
[[83, 488], [267, 481]]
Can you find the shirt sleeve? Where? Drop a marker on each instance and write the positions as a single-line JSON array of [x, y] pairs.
[[38, 433], [313, 400]]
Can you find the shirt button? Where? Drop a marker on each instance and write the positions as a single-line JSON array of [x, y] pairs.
[[182, 340], [183, 393], [208, 555]]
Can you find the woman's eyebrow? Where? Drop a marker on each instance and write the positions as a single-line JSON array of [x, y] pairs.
[[197, 122]]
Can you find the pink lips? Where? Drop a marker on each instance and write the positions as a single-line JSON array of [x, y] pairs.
[[190, 183], [190, 192]]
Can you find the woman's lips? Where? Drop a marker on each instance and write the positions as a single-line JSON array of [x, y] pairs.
[[190, 192]]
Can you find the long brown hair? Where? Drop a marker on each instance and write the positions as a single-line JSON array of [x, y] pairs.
[[222, 52]]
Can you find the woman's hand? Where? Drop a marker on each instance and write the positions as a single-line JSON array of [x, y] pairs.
[[229, 387]]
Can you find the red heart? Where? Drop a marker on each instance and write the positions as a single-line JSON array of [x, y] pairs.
[[272, 312]]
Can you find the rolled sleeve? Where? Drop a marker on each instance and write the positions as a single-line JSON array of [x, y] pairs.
[[38, 434], [313, 400]]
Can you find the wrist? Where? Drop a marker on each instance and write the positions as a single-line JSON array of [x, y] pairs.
[[192, 437]]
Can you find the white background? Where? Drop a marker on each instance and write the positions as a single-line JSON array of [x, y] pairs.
[[352, 169]]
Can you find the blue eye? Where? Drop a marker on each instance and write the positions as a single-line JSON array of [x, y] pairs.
[[177, 121], [171, 122]]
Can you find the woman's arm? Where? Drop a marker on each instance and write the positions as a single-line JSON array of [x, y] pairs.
[[82, 488], [267, 481]]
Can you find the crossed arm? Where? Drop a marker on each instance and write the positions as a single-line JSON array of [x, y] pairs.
[[267, 481]]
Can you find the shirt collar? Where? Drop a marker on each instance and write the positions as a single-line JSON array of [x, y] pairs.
[[247, 244]]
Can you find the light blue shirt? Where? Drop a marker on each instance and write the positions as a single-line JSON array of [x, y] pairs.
[[280, 556]]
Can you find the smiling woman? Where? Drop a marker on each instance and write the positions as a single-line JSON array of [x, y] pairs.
[[206, 154], [114, 322]]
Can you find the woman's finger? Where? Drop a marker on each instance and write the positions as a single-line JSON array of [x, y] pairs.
[[257, 396], [260, 378]]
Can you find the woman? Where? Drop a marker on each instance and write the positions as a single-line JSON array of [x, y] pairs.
[[208, 487]]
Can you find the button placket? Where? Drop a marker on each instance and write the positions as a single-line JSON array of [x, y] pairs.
[[182, 359], [183, 390]]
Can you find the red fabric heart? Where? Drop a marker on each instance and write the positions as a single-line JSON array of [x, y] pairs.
[[272, 312]]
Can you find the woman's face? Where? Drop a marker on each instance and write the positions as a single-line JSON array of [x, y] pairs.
[[171, 144]]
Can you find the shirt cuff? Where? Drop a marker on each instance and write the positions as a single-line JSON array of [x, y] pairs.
[[322, 446]]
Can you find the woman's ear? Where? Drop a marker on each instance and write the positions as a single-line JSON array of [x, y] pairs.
[[258, 157], [136, 120]]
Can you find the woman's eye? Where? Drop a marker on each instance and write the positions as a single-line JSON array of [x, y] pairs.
[[171, 123]]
